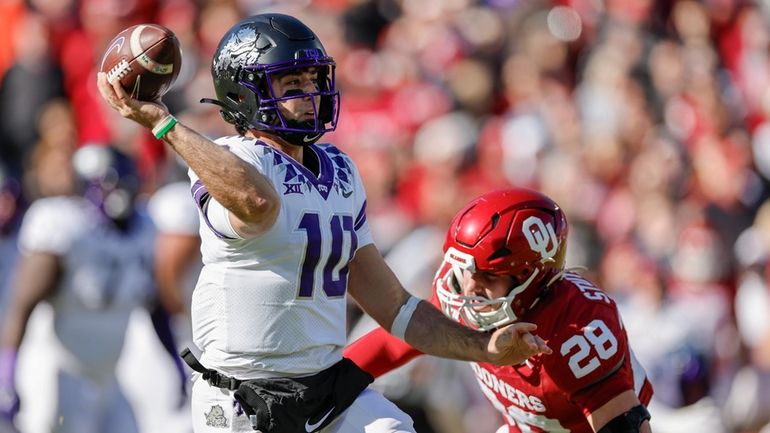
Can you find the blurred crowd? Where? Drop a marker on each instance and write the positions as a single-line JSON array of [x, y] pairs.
[[647, 121]]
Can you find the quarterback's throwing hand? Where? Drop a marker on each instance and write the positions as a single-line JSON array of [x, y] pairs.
[[515, 343], [147, 114]]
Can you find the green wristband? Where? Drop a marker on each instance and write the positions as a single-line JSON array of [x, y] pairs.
[[164, 126]]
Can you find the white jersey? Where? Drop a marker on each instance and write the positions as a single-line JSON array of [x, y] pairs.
[[275, 305], [172, 211], [106, 274]]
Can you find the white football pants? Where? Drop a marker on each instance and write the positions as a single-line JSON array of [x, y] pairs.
[[214, 411]]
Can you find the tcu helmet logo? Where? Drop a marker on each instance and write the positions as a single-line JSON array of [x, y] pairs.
[[310, 53], [541, 237]]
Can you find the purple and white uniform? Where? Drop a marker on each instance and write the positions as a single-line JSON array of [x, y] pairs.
[[274, 305], [106, 274]]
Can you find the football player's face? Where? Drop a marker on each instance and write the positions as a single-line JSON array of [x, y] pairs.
[[304, 80], [487, 285]]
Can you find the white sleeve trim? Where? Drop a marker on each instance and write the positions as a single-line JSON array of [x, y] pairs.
[[219, 217]]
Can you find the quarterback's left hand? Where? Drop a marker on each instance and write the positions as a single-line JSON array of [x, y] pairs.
[[515, 343]]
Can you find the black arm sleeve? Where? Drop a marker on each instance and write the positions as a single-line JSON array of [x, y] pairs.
[[628, 422]]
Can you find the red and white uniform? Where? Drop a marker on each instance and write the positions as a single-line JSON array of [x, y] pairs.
[[591, 363]]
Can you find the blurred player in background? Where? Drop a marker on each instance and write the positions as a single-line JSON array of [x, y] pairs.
[[693, 358], [504, 262], [90, 258], [10, 211], [177, 253], [285, 238]]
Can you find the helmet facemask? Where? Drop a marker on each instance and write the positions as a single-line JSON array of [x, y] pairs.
[[457, 305], [517, 233], [268, 116]]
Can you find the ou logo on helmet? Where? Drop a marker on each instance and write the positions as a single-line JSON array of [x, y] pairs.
[[541, 237]]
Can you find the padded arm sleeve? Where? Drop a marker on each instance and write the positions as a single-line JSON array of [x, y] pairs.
[[628, 422], [378, 352]]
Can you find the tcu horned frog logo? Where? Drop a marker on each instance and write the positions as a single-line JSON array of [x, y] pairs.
[[541, 237], [216, 417]]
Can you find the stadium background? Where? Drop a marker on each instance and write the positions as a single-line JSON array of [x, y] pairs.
[[646, 120]]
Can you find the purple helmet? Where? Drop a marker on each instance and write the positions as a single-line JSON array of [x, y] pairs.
[[246, 61], [109, 180]]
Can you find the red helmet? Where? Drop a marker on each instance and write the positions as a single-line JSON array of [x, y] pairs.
[[516, 232]]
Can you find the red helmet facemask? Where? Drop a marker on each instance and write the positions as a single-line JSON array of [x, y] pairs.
[[516, 232]]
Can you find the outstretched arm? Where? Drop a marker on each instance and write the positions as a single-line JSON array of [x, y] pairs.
[[250, 197], [379, 293], [378, 352]]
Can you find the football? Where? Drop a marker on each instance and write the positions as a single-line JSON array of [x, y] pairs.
[[145, 58]]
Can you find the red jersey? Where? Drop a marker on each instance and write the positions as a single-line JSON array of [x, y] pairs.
[[591, 363]]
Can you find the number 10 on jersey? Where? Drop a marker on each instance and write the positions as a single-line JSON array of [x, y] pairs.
[[316, 238]]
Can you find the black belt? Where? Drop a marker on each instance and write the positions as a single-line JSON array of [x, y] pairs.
[[213, 377]]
